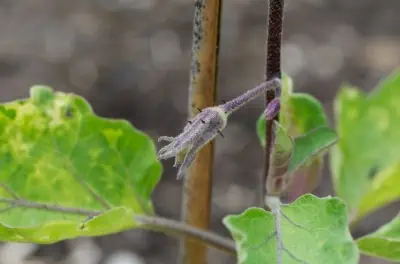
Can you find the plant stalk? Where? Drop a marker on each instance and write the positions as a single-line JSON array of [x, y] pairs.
[[180, 229], [272, 70], [196, 204]]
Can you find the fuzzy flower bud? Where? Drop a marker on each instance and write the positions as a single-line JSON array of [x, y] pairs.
[[272, 109], [205, 126]]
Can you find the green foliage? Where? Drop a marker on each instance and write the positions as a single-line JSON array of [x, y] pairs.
[[61, 163], [304, 119], [56, 151], [324, 238], [384, 243], [365, 162], [300, 113], [384, 189], [311, 144]]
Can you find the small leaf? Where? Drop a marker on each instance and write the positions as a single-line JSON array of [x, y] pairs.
[[383, 190], [301, 114], [281, 155], [384, 243], [55, 151], [310, 145], [368, 128], [324, 238]]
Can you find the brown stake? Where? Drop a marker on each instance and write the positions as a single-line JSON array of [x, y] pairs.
[[272, 69], [202, 93]]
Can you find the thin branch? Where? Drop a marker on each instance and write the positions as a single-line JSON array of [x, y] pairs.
[[274, 40], [240, 101], [272, 70], [147, 222], [196, 204], [181, 229]]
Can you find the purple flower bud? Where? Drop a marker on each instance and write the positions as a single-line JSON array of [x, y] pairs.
[[207, 124], [272, 109], [203, 128]]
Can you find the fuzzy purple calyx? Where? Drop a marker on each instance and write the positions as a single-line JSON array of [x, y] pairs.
[[272, 109]]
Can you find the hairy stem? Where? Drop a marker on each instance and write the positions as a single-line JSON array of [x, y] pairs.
[[180, 229], [240, 101], [146, 222], [196, 205], [272, 70]]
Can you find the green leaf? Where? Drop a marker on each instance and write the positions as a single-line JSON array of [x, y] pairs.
[[55, 151], [384, 189], [384, 243], [301, 114], [324, 238], [368, 129], [307, 146], [306, 114], [310, 145]]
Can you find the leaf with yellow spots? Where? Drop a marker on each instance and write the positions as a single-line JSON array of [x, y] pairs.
[[55, 153], [364, 162]]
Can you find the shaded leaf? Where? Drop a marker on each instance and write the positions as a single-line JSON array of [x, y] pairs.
[[368, 128], [281, 155], [304, 169], [384, 189], [305, 179], [56, 151], [384, 243], [325, 239]]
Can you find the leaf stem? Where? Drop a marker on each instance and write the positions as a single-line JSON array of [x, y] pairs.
[[177, 228], [146, 222], [196, 205], [275, 204], [249, 95], [272, 70]]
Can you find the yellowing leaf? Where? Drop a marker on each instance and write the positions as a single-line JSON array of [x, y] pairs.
[[55, 151], [368, 127]]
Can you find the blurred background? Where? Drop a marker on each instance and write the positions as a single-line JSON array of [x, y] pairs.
[[130, 59]]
